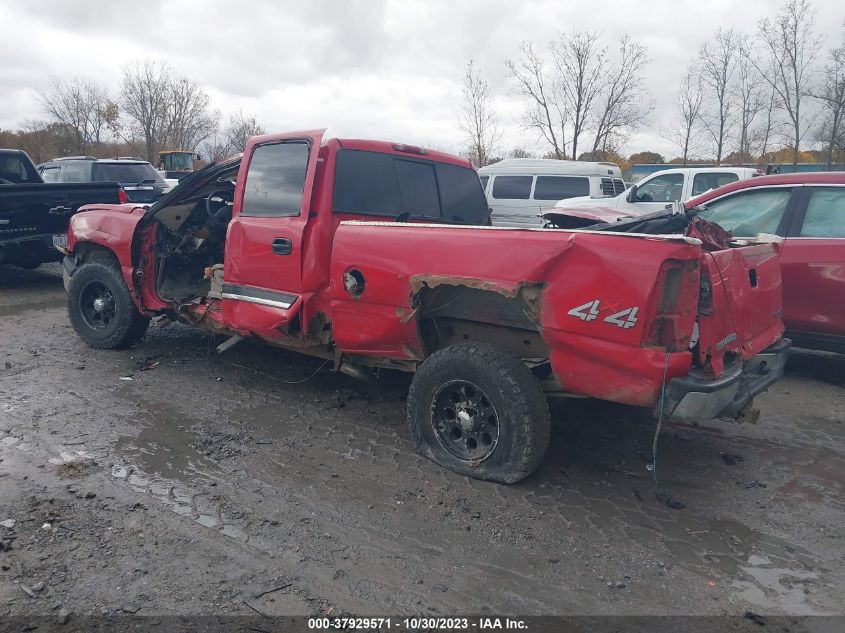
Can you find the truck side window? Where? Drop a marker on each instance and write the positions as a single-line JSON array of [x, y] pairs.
[[77, 171], [461, 199], [275, 180], [366, 182], [825, 214], [484, 180], [704, 182], [373, 183], [512, 187], [750, 213], [50, 174], [666, 188], [560, 187], [418, 188]]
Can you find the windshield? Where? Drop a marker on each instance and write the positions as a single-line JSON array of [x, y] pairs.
[[125, 172], [178, 161]]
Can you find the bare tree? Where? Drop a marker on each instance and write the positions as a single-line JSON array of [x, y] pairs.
[[36, 138], [239, 130], [82, 107], [544, 113], [717, 61], [770, 125], [190, 120], [690, 99], [477, 119], [790, 47], [749, 99], [144, 96], [520, 152], [165, 109], [581, 65], [831, 94], [234, 136], [623, 103]]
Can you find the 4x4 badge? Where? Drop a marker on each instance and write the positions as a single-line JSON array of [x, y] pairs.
[[587, 312], [624, 319], [590, 312]]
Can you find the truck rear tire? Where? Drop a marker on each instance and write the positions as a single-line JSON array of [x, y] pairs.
[[100, 308], [479, 411]]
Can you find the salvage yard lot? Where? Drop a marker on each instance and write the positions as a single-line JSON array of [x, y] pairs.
[[171, 479]]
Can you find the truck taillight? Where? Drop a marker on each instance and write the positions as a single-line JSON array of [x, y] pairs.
[[122, 197], [671, 327]]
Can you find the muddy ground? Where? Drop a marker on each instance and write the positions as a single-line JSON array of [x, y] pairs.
[[169, 480]]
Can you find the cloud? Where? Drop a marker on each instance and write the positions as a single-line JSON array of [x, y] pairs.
[[372, 68]]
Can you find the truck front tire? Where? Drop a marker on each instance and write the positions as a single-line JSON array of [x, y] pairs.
[[479, 411], [100, 308]]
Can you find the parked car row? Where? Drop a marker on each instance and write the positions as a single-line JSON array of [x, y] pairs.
[[519, 191], [138, 180]]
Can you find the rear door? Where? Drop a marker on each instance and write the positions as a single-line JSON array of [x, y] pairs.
[[813, 262], [703, 182], [263, 258]]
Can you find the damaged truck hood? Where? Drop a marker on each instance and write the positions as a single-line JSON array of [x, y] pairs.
[[194, 185]]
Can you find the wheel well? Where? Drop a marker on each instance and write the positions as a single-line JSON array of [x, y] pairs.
[[90, 252], [450, 314]]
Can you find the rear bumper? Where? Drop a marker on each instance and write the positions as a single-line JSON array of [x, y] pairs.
[[31, 249], [692, 398]]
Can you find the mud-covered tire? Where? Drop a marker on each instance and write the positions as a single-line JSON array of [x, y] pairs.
[[507, 388], [124, 326]]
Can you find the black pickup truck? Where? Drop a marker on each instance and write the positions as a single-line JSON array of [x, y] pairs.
[[34, 214]]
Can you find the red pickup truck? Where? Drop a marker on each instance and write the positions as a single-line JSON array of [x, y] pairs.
[[378, 255]]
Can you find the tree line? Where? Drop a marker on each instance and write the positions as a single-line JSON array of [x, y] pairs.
[[154, 108], [743, 97]]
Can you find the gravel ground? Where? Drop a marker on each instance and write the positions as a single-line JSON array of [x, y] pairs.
[[167, 479]]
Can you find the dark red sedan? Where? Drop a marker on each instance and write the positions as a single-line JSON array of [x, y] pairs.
[[808, 211]]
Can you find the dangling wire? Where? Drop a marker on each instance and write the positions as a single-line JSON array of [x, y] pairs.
[[658, 493]]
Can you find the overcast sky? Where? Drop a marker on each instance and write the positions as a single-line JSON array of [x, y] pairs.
[[367, 68]]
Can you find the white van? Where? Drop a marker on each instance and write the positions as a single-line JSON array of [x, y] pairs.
[[520, 189], [664, 187]]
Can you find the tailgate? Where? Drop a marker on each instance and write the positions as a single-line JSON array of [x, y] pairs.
[[740, 305]]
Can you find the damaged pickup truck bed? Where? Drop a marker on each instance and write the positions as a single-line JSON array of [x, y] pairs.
[[375, 255]]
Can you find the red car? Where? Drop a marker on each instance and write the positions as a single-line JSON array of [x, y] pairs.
[[808, 211], [377, 255]]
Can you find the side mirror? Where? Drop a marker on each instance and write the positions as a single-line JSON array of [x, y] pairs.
[[632, 194]]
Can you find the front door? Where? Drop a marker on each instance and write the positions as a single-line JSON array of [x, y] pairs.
[[813, 263], [655, 193], [263, 262]]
